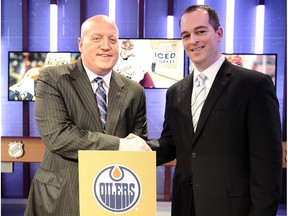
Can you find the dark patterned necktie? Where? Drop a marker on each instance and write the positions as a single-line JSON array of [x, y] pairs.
[[101, 101], [198, 98]]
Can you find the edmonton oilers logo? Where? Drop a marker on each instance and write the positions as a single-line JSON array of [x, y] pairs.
[[117, 188]]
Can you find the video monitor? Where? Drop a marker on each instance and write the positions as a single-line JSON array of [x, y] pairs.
[[265, 63], [154, 63], [24, 68]]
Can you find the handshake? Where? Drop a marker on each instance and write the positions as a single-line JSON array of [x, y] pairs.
[[133, 143]]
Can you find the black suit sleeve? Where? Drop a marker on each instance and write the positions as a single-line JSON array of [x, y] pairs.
[[265, 149]]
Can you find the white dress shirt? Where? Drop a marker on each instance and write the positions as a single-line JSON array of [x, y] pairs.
[[210, 74], [106, 78]]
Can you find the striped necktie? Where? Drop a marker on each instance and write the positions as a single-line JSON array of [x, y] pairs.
[[198, 98], [101, 101]]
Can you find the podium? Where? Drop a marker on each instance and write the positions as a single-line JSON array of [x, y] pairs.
[[117, 183]]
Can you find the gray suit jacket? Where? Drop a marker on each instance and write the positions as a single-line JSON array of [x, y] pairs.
[[68, 120]]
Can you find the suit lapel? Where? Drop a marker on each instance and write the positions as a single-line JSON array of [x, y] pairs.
[[186, 93], [117, 94], [82, 84], [221, 80]]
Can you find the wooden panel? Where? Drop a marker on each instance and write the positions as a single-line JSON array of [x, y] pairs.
[[167, 180], [171, 163], [34, 150], [33, 147], [284, 157]]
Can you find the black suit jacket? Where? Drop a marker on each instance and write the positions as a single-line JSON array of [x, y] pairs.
[[232, 164], [68, 120]]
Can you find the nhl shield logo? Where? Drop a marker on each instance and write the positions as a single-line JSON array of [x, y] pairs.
[[15, 149]]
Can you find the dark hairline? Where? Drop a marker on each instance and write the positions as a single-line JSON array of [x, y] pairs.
[[213, 16]]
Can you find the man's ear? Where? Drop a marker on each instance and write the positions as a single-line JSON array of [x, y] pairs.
[[80, 44], [220, 33]]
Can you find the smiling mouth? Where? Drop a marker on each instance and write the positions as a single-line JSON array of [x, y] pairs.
[[197, 49], [104, 55]]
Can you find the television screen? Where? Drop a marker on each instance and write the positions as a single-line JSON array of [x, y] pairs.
[[24, 68], [154, 63], [265, 63]]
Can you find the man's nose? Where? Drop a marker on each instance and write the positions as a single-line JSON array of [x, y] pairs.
[[105, 44], [194, 40]]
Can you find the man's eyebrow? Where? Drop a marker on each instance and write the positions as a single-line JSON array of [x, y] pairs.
[[201, 27], [94, 34], [184, 32], [195, 29]]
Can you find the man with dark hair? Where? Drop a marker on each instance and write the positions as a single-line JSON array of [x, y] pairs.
[[222, 125]]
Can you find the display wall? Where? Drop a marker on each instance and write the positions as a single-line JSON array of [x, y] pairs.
[[127, 14]]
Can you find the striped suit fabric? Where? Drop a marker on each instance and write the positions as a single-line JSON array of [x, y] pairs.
[[68, 120]]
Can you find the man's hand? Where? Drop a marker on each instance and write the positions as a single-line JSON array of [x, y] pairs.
[[133, 143]]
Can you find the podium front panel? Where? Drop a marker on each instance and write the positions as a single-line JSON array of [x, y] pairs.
[[117, 183]]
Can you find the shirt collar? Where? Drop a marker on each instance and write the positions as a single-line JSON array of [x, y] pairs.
[[92, 76], [211, 71]]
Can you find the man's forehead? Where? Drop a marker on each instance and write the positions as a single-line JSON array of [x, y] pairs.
[[195, 19], [198, 13]]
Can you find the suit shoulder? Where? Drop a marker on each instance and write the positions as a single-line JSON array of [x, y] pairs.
[[60, 69], [183, 82], [245, 72], [57, 71], [248, 77], [127, 82]]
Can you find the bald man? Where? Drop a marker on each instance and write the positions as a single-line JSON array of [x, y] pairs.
[[68, 117]]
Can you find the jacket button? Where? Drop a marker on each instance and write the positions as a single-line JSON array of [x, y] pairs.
[[194, 155]]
